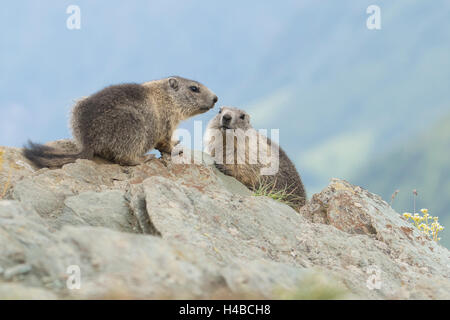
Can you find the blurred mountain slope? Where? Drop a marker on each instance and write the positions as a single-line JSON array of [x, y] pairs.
[[423, 163]]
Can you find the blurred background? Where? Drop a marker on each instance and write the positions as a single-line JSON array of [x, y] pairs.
[[369, 106]]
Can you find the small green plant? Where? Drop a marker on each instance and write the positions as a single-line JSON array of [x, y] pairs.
[[269, 189], [315, 287]]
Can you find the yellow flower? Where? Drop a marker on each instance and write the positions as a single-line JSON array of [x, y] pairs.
[[427, 224], [407, 215]]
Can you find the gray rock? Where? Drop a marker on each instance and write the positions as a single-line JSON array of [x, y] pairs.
[[15, 291], [16, 270], [99, 209], [167, 230]]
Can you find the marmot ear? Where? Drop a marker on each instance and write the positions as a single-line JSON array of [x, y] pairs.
[[173, 83]]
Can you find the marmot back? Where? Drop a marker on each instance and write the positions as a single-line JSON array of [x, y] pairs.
[[235, 124], [121, 123]]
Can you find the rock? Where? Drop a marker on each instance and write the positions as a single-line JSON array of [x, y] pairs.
[[94, 229], [100, 209], [16, 270], [15, 291]]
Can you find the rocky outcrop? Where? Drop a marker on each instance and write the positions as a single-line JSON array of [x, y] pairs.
[[166, 230]]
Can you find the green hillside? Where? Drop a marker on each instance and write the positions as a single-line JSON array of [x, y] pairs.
[[423, 164]]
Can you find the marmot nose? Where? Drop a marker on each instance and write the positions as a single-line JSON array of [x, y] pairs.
[[215, 99], [226, 118]]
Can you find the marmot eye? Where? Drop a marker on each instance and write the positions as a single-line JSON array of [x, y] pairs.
[[242, 116], [220, 110], [194, 89]]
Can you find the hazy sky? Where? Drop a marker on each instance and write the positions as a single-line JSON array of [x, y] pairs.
[[339, 93]]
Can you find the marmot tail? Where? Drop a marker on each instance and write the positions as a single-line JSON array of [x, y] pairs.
[[44, 156]]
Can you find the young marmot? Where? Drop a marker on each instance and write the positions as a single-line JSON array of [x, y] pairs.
[[242, 152], [121, 123]]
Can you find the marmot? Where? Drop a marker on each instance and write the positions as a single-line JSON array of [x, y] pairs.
[[249, 158], [121, 123]]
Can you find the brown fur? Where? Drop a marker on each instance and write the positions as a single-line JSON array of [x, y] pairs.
[[287, 177], [121, 123]]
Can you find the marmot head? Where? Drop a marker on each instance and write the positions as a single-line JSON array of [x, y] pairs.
[[191, 96], [232, 118]]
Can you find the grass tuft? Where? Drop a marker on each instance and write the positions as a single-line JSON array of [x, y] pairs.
[[265, 188]]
